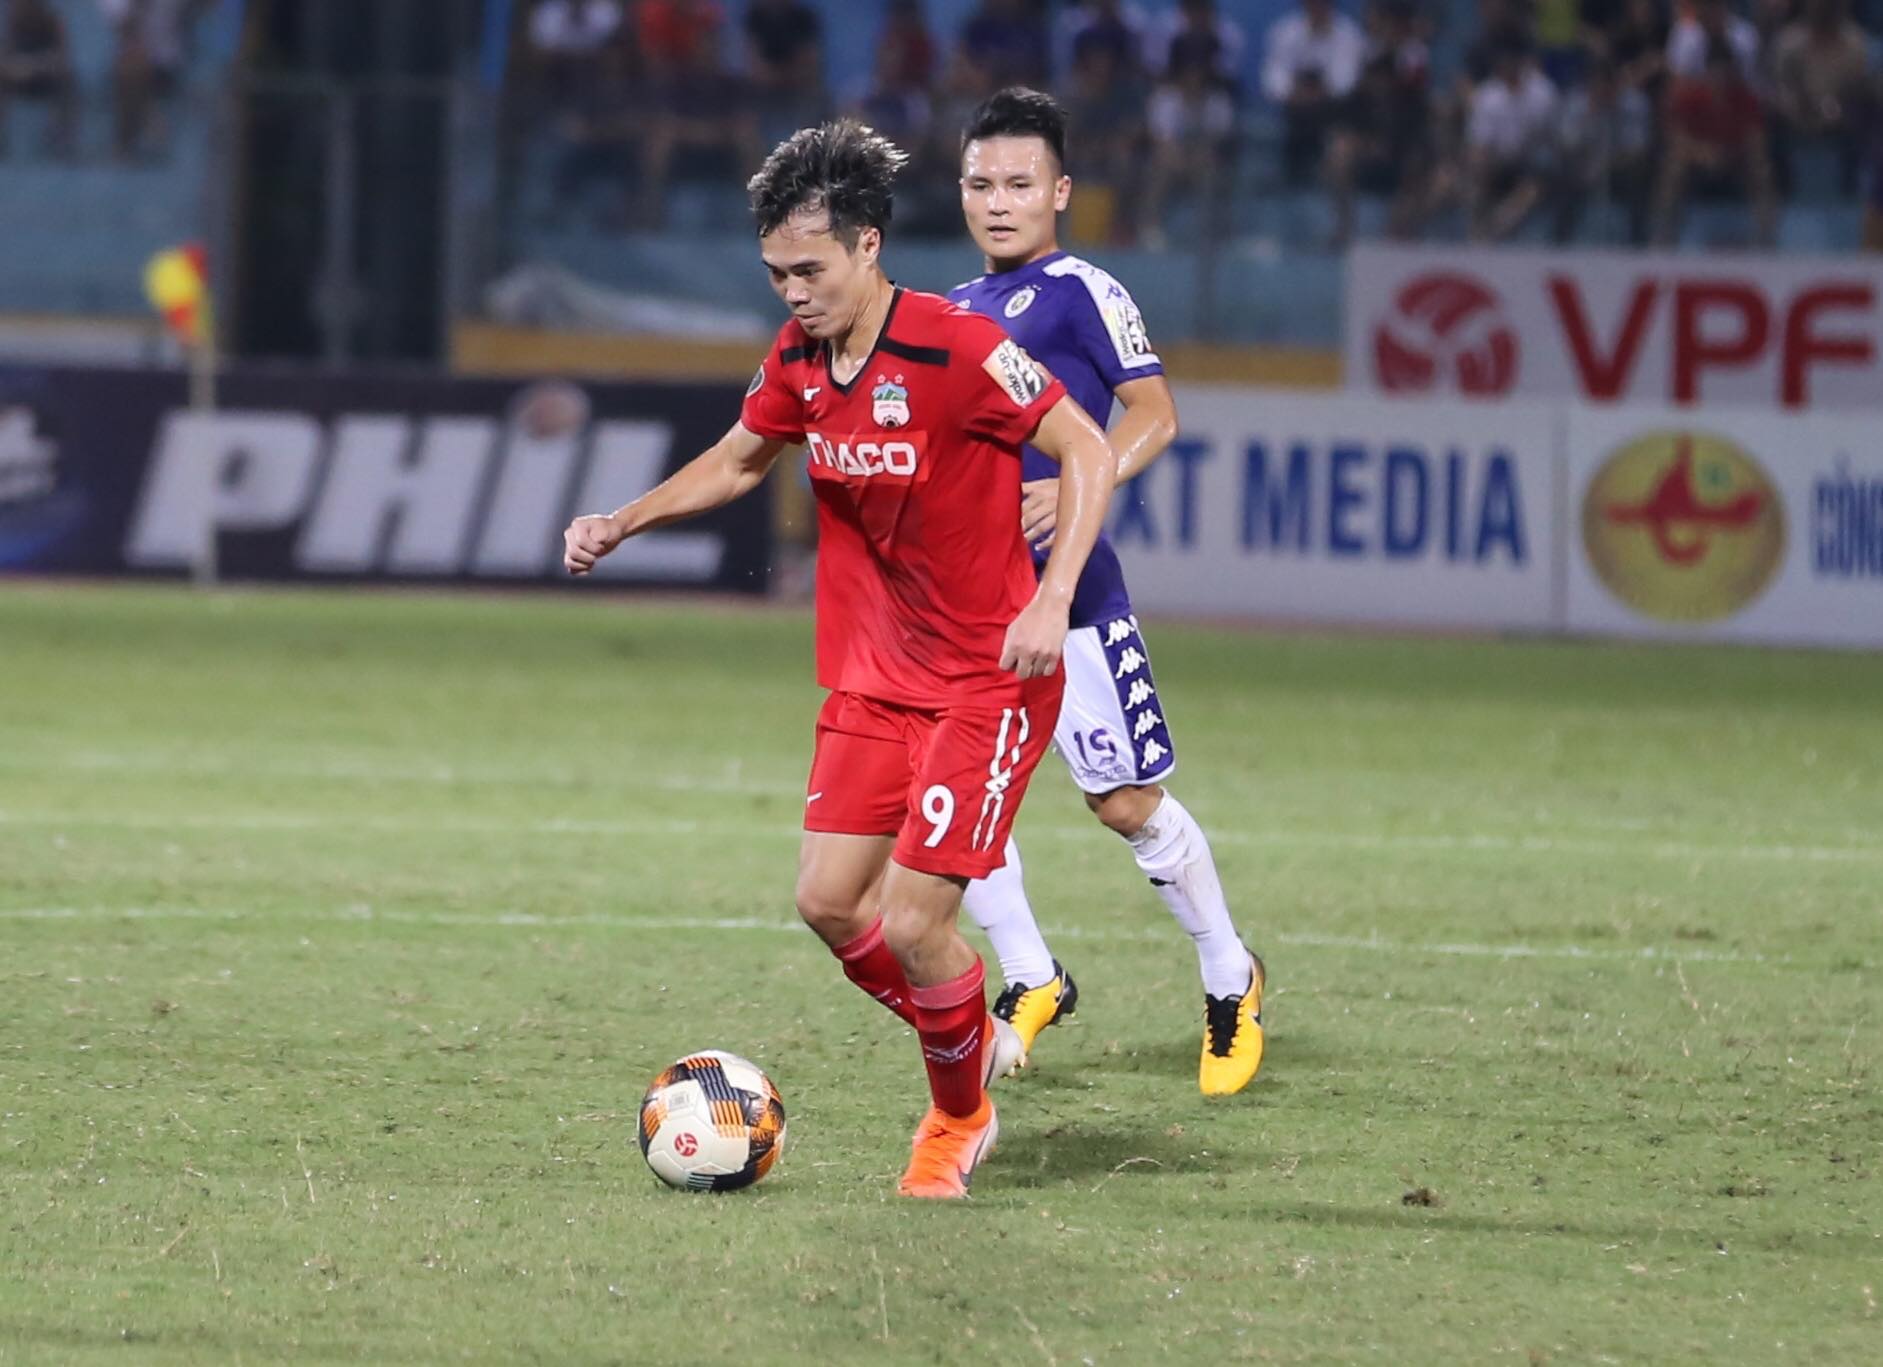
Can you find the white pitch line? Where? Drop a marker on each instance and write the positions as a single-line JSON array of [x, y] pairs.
[[1265, 839], [361, 915]]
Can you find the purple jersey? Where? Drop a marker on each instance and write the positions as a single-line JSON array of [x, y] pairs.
[[1079, 323]]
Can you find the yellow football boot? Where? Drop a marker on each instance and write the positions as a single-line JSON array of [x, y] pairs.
[[1030, 1010], [1232, 1037]]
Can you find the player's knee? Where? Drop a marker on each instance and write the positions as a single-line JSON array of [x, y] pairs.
[[904, 929], [1125, 810], [832, 915]]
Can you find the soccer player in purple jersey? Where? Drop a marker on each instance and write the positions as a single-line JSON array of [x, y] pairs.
[[1081, 324]]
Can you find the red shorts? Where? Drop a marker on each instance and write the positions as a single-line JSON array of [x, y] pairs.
[[946, 784]]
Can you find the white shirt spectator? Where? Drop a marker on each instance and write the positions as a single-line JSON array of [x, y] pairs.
[[1175, 116], [1512, 124], [574, 27], [1337, 53], [1686, 47]]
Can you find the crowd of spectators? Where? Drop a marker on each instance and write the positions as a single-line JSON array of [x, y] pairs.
[[150, 40], [1641, 106]]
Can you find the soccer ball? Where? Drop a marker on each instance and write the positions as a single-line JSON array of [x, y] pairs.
[[712, 1122]]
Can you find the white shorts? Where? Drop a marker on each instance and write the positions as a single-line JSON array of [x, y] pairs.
[[1111, 728]]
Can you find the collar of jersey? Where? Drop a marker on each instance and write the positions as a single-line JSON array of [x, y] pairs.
[[824, 350], [1027, 274]]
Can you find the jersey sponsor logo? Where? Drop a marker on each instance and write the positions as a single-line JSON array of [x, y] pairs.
[[758, 381], [866, 457], [1128, 334], [811, 391], [889, 402], [1020, 302], [1016, 372]]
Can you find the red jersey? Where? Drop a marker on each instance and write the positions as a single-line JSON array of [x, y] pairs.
[[921, 565]]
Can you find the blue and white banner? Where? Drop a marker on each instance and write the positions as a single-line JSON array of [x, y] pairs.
[[1280, 506]]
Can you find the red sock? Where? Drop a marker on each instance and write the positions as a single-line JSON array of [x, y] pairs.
[[868, 963], [951, 1018]]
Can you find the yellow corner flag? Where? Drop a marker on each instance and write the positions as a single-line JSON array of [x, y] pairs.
[[177, 283]]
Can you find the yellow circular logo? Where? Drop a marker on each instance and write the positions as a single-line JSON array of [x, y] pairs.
[[1683, 526]]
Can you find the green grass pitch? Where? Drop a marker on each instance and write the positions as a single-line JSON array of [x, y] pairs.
[[340, 932]]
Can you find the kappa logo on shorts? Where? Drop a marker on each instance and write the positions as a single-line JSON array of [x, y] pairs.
[[1130, 662]]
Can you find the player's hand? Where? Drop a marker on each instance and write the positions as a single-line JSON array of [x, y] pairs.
[[1035, 639], [587, 540], [1039, 511]]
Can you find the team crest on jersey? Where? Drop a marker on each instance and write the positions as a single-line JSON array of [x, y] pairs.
[[889, 402], [758, 381], [1021, 301]]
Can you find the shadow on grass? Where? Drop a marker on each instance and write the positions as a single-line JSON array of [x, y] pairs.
[[1088, 1154]]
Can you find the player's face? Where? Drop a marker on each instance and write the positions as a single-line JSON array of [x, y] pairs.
[[824, 283], [1011, 194]]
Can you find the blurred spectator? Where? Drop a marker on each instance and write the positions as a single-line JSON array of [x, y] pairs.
[[1607, 144], [1636, 42], [1312, 61], [1560, 49], [566, 41], [890, 101], [36, 64], [700, 106], [1107, 131], [1381, 144], [1119, 28], [1500, 24], [1820, 71], [1509, 143], [1705, 23], [1393, 29], [601, 134], [1716, 145], [905, 43], [1192, 119], [147, 68], [785, 62], [1009, 40]]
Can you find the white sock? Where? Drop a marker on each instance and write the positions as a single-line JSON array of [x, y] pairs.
[[1175, 856], [999, 907]]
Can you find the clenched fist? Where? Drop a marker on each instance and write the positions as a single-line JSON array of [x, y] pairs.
[[1035, 640], [587, 540]]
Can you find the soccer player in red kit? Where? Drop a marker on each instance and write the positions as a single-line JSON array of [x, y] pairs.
[[938, 646]]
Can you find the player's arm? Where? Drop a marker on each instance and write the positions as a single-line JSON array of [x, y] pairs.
[[732, 466], [1087, 476], [1143, 432], [1147, 427]]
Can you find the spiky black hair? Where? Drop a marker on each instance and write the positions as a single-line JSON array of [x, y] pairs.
[[843, 167], [1018, 112]]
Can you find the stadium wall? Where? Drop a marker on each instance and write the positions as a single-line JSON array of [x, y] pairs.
[[1730, 524]]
